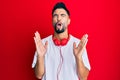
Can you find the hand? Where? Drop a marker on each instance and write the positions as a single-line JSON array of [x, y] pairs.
[[41, 49], [80, 48]]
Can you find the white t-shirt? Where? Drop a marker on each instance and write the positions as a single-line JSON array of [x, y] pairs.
[[60, 62]]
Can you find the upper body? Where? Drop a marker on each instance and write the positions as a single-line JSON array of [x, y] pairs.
[[55, 60], [60, 61]]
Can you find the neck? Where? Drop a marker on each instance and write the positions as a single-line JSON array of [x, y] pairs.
[[61, 35]]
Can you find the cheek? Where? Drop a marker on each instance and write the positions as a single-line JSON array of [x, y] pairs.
[[66, 22], [54, 20]]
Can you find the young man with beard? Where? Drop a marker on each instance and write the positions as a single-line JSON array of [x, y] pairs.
[[61, 56]]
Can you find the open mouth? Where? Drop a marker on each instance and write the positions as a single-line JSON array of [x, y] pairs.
[[59, 26]]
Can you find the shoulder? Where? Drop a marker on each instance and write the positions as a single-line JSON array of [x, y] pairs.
[[48, 38], [74, 39]]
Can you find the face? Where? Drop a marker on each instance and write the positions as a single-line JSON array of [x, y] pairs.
[[60, 20]]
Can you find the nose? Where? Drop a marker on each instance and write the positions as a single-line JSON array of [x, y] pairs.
[[58, 17]]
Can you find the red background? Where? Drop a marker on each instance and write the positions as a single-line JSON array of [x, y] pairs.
[[19, 19]]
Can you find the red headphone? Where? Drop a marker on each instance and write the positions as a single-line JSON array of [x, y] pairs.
[[63, 42]]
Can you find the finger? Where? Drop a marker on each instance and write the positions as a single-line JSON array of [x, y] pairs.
[[83, 40], [38, 38], [46, 44], [85, 43], [84, 37], [74, 45], [38, 35], [35, 42]]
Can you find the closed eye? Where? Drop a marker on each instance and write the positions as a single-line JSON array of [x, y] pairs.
[[63, 15], [55, 15]]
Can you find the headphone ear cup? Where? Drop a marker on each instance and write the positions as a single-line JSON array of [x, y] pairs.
[[57, 42], [64, 41], [60, 43]]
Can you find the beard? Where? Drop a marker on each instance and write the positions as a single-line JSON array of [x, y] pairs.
[[61, 29]]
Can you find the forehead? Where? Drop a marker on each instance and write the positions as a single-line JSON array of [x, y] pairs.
[[60, 11]]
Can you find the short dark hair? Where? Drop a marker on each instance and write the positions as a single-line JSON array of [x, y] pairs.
[[60, 5]]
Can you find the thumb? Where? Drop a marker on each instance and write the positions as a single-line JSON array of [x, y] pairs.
[[74, 45], [46, 44]]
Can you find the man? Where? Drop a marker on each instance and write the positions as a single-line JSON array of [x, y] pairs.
[[61, 56]]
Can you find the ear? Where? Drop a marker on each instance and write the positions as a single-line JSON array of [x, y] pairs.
[[69, 21]]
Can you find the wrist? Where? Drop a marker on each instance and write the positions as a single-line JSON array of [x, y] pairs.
[[78, 58], [40, 56]]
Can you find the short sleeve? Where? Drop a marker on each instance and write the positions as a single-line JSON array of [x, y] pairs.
[[34, 60], [86, 60]]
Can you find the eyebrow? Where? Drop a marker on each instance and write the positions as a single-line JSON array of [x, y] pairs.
[[54, 15], [57, 14]]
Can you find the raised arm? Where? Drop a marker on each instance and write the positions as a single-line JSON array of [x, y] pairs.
[[41, 50], [78, 51]]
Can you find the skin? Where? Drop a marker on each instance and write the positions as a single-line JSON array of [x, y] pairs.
[[61, 16]]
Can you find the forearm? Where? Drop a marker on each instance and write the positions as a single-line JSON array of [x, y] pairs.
[[39, 68], [81, 69]]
